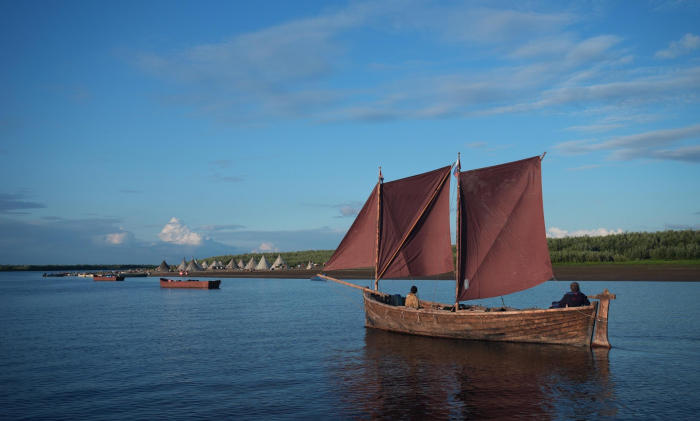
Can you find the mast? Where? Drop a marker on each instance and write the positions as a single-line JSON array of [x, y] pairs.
[[459, 249], [379, 224]]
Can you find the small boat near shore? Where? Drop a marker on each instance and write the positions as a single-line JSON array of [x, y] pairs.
[[189, 283], [54, 275], [133, 275], [107, 278]]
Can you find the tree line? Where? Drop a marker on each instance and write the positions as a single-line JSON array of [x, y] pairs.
[[639, 247], [627, 247]]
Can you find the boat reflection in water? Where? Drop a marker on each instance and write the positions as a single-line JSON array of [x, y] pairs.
[[402, 376]]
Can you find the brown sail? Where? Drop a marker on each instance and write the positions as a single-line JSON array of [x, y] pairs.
[[357, 248], [502, 240], [414, 232], [415, 226]]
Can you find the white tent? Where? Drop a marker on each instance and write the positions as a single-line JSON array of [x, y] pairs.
[[240, 263], [205, 265], [199, 267], [232, 265], [310, 266], [220, 264], [193, 266], [279, 262], [252, 264], [183, 265], [263, 265]]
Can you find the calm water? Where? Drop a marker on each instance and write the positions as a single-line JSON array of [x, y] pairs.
[[73, 348]]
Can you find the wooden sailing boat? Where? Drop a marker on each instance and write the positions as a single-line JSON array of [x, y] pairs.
[[403, 230]]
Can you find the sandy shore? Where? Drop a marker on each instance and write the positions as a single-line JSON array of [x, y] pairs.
[[672, 273]]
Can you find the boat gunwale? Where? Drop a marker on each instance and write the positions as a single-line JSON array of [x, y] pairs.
[[429, 310]]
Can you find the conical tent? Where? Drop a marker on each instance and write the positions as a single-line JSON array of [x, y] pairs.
[[205, 265], [183, 265], [279, 262], [220, 264], [164, 267], [263, 265], [199, 267], [192, 266], [232, 265], [252, 264], [310, 266], [240, 264]]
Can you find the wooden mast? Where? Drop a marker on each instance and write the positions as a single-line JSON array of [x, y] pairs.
[[379, 215], [459, 249]]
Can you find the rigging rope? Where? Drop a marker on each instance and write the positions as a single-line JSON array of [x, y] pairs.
[[346, 297]]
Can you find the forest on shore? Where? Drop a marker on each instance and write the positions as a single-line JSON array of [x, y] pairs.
[[628, 248], [680, 246]]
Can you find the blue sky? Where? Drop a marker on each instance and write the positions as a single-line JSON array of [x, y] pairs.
[[132, 131]]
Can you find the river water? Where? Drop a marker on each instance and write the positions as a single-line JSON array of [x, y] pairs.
[[73, 349]]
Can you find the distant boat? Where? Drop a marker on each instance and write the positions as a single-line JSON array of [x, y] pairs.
[[403, 231], [133, 275], [53, 275], [190, 283], [107, 278], [85, 275]]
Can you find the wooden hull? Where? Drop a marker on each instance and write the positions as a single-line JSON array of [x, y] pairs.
[[134, 275], [172, 283], [107, 278], [566, 326]]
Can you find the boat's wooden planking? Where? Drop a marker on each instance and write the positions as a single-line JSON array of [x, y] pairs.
[[567, 326], [190, 284]]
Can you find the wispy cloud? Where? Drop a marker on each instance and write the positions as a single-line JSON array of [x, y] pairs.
[[583, 168], [229, 227], [226, 179], [347, 210], [221, 163], [684, 46], [10, 203], [643, 145], [284, 71]]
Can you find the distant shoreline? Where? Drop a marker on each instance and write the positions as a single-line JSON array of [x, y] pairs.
[[663, 273]]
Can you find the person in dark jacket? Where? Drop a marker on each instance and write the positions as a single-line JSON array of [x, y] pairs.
[[575, 298]]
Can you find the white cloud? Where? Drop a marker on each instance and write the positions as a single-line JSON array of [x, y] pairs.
[[177, 232], [684, 46], [555, 232], [265, 247], [121, 237]]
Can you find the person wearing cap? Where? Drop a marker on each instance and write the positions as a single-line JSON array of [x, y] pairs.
[[575, 298], [412, 298]]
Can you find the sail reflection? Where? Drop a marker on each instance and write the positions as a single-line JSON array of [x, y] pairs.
[[409, 377]]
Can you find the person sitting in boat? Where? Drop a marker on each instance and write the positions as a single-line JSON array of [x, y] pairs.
[[575, 298], [412, 298]]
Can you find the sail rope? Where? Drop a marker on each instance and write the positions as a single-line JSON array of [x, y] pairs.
[[337, 289]]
